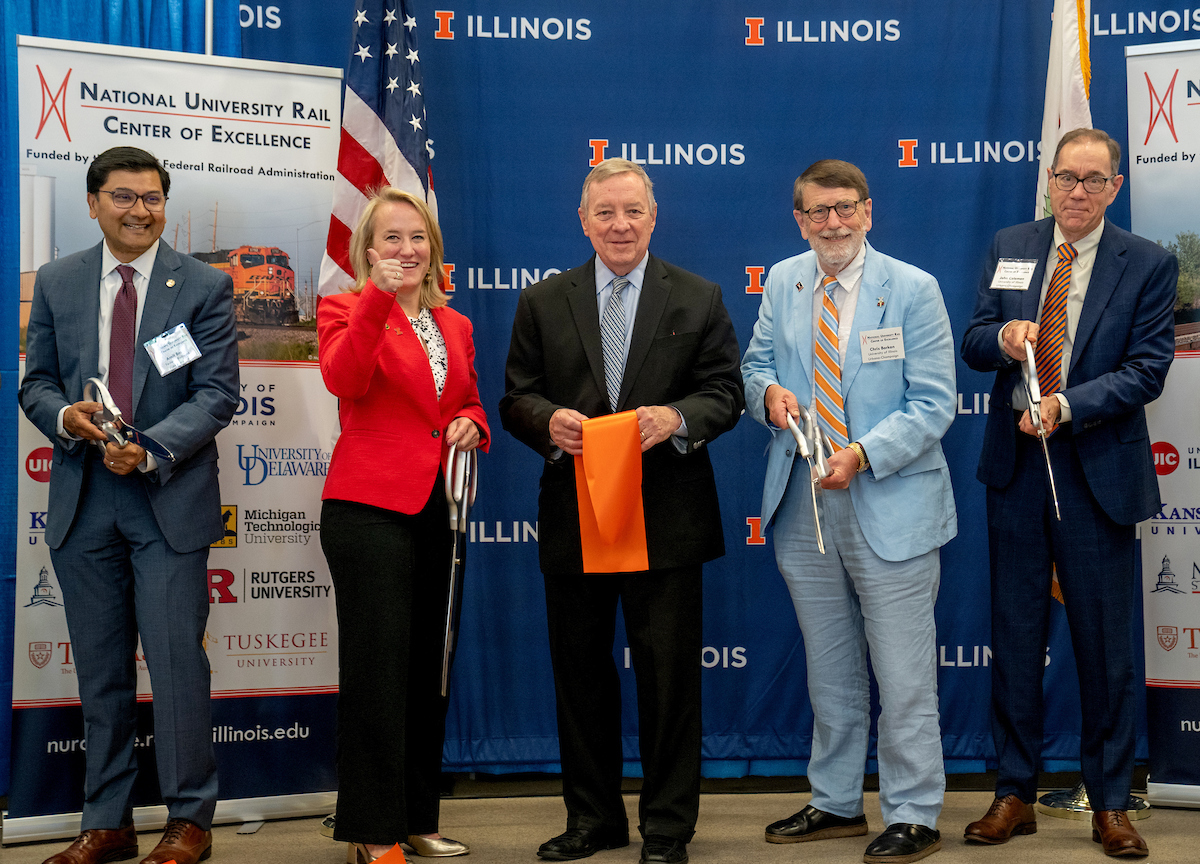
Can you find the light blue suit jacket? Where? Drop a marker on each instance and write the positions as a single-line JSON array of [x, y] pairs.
[[897, 409]]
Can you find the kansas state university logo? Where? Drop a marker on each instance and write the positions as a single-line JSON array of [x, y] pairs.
[[1167, 637], [39, 653]]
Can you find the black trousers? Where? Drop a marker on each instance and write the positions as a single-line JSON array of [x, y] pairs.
[[390, 573], [663, 611]]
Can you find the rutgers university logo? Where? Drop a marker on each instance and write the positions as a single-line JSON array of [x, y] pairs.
[[1164, 107], [40, 652], [1167, 637], [54, 106]]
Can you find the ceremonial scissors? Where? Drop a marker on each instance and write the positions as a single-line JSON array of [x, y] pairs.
[[1034, 392], [811, 445], [115, 428], [461, 482]]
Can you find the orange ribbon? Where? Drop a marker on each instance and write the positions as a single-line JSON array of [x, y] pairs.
[[608, 483]]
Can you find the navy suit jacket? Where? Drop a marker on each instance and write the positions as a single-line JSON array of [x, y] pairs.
[[1124, 344], [183, 410], [683, 353]]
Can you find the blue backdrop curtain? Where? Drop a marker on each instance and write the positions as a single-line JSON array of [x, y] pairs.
[[174, 25]]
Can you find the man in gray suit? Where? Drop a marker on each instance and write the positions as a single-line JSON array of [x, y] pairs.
[[128, 532]]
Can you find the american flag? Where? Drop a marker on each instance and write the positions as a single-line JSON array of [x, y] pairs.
[[384, 136]]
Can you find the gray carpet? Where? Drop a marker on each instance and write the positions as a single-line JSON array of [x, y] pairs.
[[508, 831]]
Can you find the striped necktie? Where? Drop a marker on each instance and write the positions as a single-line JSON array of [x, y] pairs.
[[1052, 328], [121, 337], [612, 334], [827, 370]]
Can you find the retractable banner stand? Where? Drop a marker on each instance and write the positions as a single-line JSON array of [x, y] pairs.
[[1164, 140], [249, 146]]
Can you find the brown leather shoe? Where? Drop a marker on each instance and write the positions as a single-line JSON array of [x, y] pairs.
[[1116, 833], [1007, 816], [183, 842], [99, 845]]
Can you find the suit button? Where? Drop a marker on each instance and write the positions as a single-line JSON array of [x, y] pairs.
[[435, 433], [788, 453]]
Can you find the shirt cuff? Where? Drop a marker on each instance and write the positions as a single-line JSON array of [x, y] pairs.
[[1064, 415], [61, 430], [679, 437]]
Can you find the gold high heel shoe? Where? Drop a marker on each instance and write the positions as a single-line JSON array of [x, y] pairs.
[[437, 847], [358, 853]]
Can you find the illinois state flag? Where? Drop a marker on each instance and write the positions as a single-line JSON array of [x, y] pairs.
[[1068, 86], [384, 137]]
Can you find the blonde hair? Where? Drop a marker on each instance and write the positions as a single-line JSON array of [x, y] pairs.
[[432, 295]]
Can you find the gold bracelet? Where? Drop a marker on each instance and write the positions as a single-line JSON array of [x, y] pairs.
[[863, 462]]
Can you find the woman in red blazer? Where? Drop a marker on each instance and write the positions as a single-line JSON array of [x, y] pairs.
[[402, 365]]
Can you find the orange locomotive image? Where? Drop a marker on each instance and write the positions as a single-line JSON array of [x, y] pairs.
[[264, 284]]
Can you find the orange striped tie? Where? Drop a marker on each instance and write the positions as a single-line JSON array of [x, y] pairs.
[[1052, 329], [827, 370]]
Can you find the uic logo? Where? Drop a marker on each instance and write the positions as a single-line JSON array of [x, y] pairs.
[[1166, 457], [37, 464]]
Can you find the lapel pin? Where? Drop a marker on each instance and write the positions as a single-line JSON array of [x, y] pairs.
[[879, 302], [799, 286], [170, 283]]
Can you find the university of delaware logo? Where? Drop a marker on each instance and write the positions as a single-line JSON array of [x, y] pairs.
[[54, 103], [1162, 108], [1168, 637]]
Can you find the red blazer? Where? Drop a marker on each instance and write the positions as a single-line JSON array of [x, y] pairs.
[[393, 424]]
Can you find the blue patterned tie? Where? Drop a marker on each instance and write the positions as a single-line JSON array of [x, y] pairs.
[[612, 333], [827, 370]]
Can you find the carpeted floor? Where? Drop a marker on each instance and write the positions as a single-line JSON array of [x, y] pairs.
[[509, 830]]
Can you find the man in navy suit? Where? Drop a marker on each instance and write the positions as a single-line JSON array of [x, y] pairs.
[[1096, 303], [128, 532]]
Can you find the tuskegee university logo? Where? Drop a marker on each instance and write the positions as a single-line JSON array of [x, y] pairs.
[[1168, 637]]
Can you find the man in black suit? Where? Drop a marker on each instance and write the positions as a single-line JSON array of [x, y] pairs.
[[128, 532], [679, 370], [1097, 304]]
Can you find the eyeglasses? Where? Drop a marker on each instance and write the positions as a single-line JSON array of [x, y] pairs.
[[820, 213], [123, 199], [1093, 183]]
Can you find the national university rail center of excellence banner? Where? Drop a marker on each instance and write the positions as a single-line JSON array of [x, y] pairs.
[[1164, 141], [250, 147]]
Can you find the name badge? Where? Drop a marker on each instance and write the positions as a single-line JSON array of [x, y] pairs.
[[172, 350], [1013, 274], [879, 345]]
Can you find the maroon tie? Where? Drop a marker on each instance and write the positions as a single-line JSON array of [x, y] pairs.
[[120, 343]]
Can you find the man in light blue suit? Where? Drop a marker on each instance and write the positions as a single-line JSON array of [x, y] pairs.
[[129, 533], [863, 341]]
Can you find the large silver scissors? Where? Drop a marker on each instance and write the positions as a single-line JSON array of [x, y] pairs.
[[115, 428], [810, 445], [462, 480], [1034, 392]]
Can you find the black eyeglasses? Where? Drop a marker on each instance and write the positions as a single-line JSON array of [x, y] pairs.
[[1093, 183], [820, 213], [123, 199]]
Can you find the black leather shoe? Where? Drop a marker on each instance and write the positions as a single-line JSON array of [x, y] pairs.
[[575, 843], [813, 824], [658, 849], [901, 843]]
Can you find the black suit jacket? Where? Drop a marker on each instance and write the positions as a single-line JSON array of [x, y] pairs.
[[683, 353]]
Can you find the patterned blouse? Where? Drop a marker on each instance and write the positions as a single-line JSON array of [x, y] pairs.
[[435, 346]]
